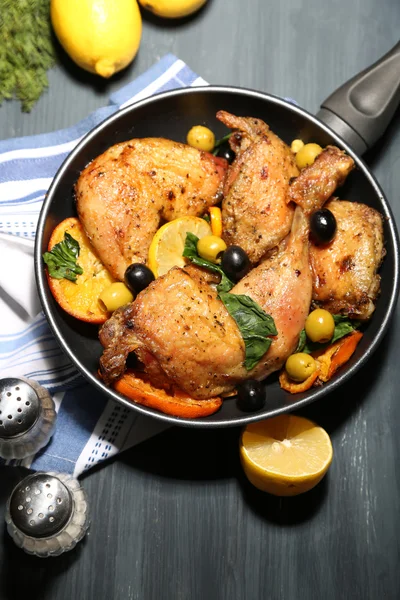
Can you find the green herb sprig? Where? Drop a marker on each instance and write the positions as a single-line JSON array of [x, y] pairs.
[[253, 323], [62, 259], [343, 326], [220, 142], [26, 50]]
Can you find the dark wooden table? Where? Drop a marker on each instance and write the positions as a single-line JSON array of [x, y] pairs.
[[174, 518]]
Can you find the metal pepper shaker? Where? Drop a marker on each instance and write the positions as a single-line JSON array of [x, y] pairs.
[[47, 514], [27, 417]]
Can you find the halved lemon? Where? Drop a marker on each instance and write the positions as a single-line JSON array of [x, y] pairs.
[[167, 246], [286, 455]]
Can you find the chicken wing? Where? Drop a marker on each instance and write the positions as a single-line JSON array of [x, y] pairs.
[[316, 183], [123, 195], [193, 342], [345, 278], [255, 212]]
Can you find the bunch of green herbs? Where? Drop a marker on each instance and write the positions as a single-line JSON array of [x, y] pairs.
[[27, 50]]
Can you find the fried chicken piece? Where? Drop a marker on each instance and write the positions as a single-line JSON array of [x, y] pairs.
[[123, 195], [345, 278], [282, 286], [193, 342], [316, 183], [263, 181], [255, 212]]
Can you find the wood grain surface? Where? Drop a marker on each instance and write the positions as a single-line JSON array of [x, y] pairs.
[[174, 518]]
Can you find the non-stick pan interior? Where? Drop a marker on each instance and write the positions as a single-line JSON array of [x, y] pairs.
[[171, 116]]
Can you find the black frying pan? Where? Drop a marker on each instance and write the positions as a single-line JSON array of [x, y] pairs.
[[352, 118]]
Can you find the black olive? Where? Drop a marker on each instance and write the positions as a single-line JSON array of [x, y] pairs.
[[225, 151], [323, 226], [235, 263], [251, 395], [138, 277]]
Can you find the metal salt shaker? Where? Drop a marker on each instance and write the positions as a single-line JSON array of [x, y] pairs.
[[47, 514], [27, 417]]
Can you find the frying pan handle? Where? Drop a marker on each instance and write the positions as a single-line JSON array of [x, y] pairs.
[[361, 109]]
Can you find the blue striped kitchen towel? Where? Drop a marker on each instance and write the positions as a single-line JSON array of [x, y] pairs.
[[90, 428]]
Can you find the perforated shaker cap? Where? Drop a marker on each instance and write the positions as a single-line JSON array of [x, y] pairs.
[[41, 505], [19, 407]]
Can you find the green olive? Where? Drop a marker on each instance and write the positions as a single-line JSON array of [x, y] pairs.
[[320, 326], [210, 247], [296, 145], [300, 366], [202, 138], [307, 154], [115, 295]]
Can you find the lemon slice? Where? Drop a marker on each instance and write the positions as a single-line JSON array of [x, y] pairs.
[[167, 246], [285, 455]]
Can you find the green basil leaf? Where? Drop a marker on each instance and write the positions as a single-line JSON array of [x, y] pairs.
[[61, 260], [302, 341], [254, 325], [343, 326], [225, 284], [310, 346], [190, 251], [219, 143], [72, 245], [255, 349]]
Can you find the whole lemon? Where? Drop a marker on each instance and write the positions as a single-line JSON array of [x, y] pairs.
[[172, 9], [101, 36]]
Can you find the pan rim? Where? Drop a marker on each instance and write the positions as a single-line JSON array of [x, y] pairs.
[[264, 413]]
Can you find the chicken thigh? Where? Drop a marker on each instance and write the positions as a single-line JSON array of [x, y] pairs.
[[124, 194], [345, 278], [192, 342]]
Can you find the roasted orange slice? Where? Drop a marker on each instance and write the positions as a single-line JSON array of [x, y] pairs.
[[80, 298], [137, 387]]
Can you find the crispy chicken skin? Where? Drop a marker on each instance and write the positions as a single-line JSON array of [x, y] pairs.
[[316, 183], [345, 278], [255, 211], [124, 194], [193, 342]]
